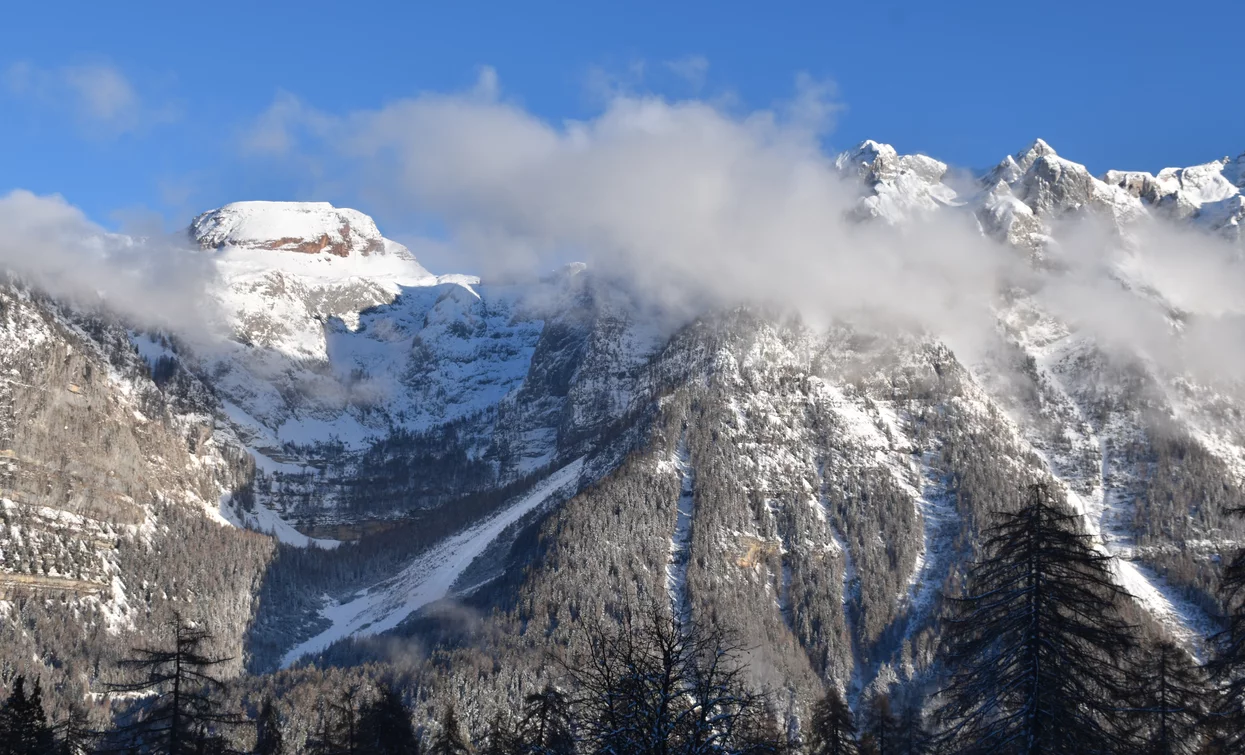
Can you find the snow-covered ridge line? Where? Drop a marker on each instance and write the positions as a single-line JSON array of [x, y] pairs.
[[432, 576], [1012, 199]]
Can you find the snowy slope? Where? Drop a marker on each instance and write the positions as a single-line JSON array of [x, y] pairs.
[[433, 576]]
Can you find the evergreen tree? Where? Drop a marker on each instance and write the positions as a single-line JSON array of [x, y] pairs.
[[1228, 666], [74, 734], [880, 733], [268, 737], [1031, 646], [912, 737], [502, 738], [322, 742], [833, 728], [451, 739], [207, 743], [24, 726], [340, 732], [1169, 702], [385, 726], [182, 713], [546, 725]]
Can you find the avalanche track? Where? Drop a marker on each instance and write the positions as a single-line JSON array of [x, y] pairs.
[[432, 575]]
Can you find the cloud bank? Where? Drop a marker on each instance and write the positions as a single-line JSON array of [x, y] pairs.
[[156, 282], [698, 202], [681, 195], [694, 202]]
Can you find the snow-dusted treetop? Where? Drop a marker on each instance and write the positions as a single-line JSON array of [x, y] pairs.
[[308, 227]]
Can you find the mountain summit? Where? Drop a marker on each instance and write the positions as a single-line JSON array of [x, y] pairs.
[[306, 227]]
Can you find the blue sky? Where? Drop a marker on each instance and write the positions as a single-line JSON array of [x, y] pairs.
[[140, 115]]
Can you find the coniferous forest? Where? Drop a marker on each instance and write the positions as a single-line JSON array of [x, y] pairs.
[[1039, 656]]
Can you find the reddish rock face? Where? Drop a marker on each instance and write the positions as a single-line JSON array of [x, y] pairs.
[[340, 247]]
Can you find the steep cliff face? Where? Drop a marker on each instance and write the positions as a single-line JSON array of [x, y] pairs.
[[558, 448], [110, 497]]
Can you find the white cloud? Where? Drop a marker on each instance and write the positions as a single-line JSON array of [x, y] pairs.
[[488, 86], [603, 83], [697, 202], [816, 105], [104, 94], [99, 96], [158, 281], [688, 199], [272, 133], [692, 69], [692, 201], [1171, 274]]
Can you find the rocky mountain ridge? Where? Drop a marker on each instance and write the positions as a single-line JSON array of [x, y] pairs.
[[556, 448]]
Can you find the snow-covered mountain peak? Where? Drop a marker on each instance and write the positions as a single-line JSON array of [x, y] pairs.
[[865, 158], [1025, 191], [1209, 194], [1234, 170], [898, 186], [875, 161], [306, 227], [1052, 186], [1037, 150], [286, 268], [1013, 167]]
